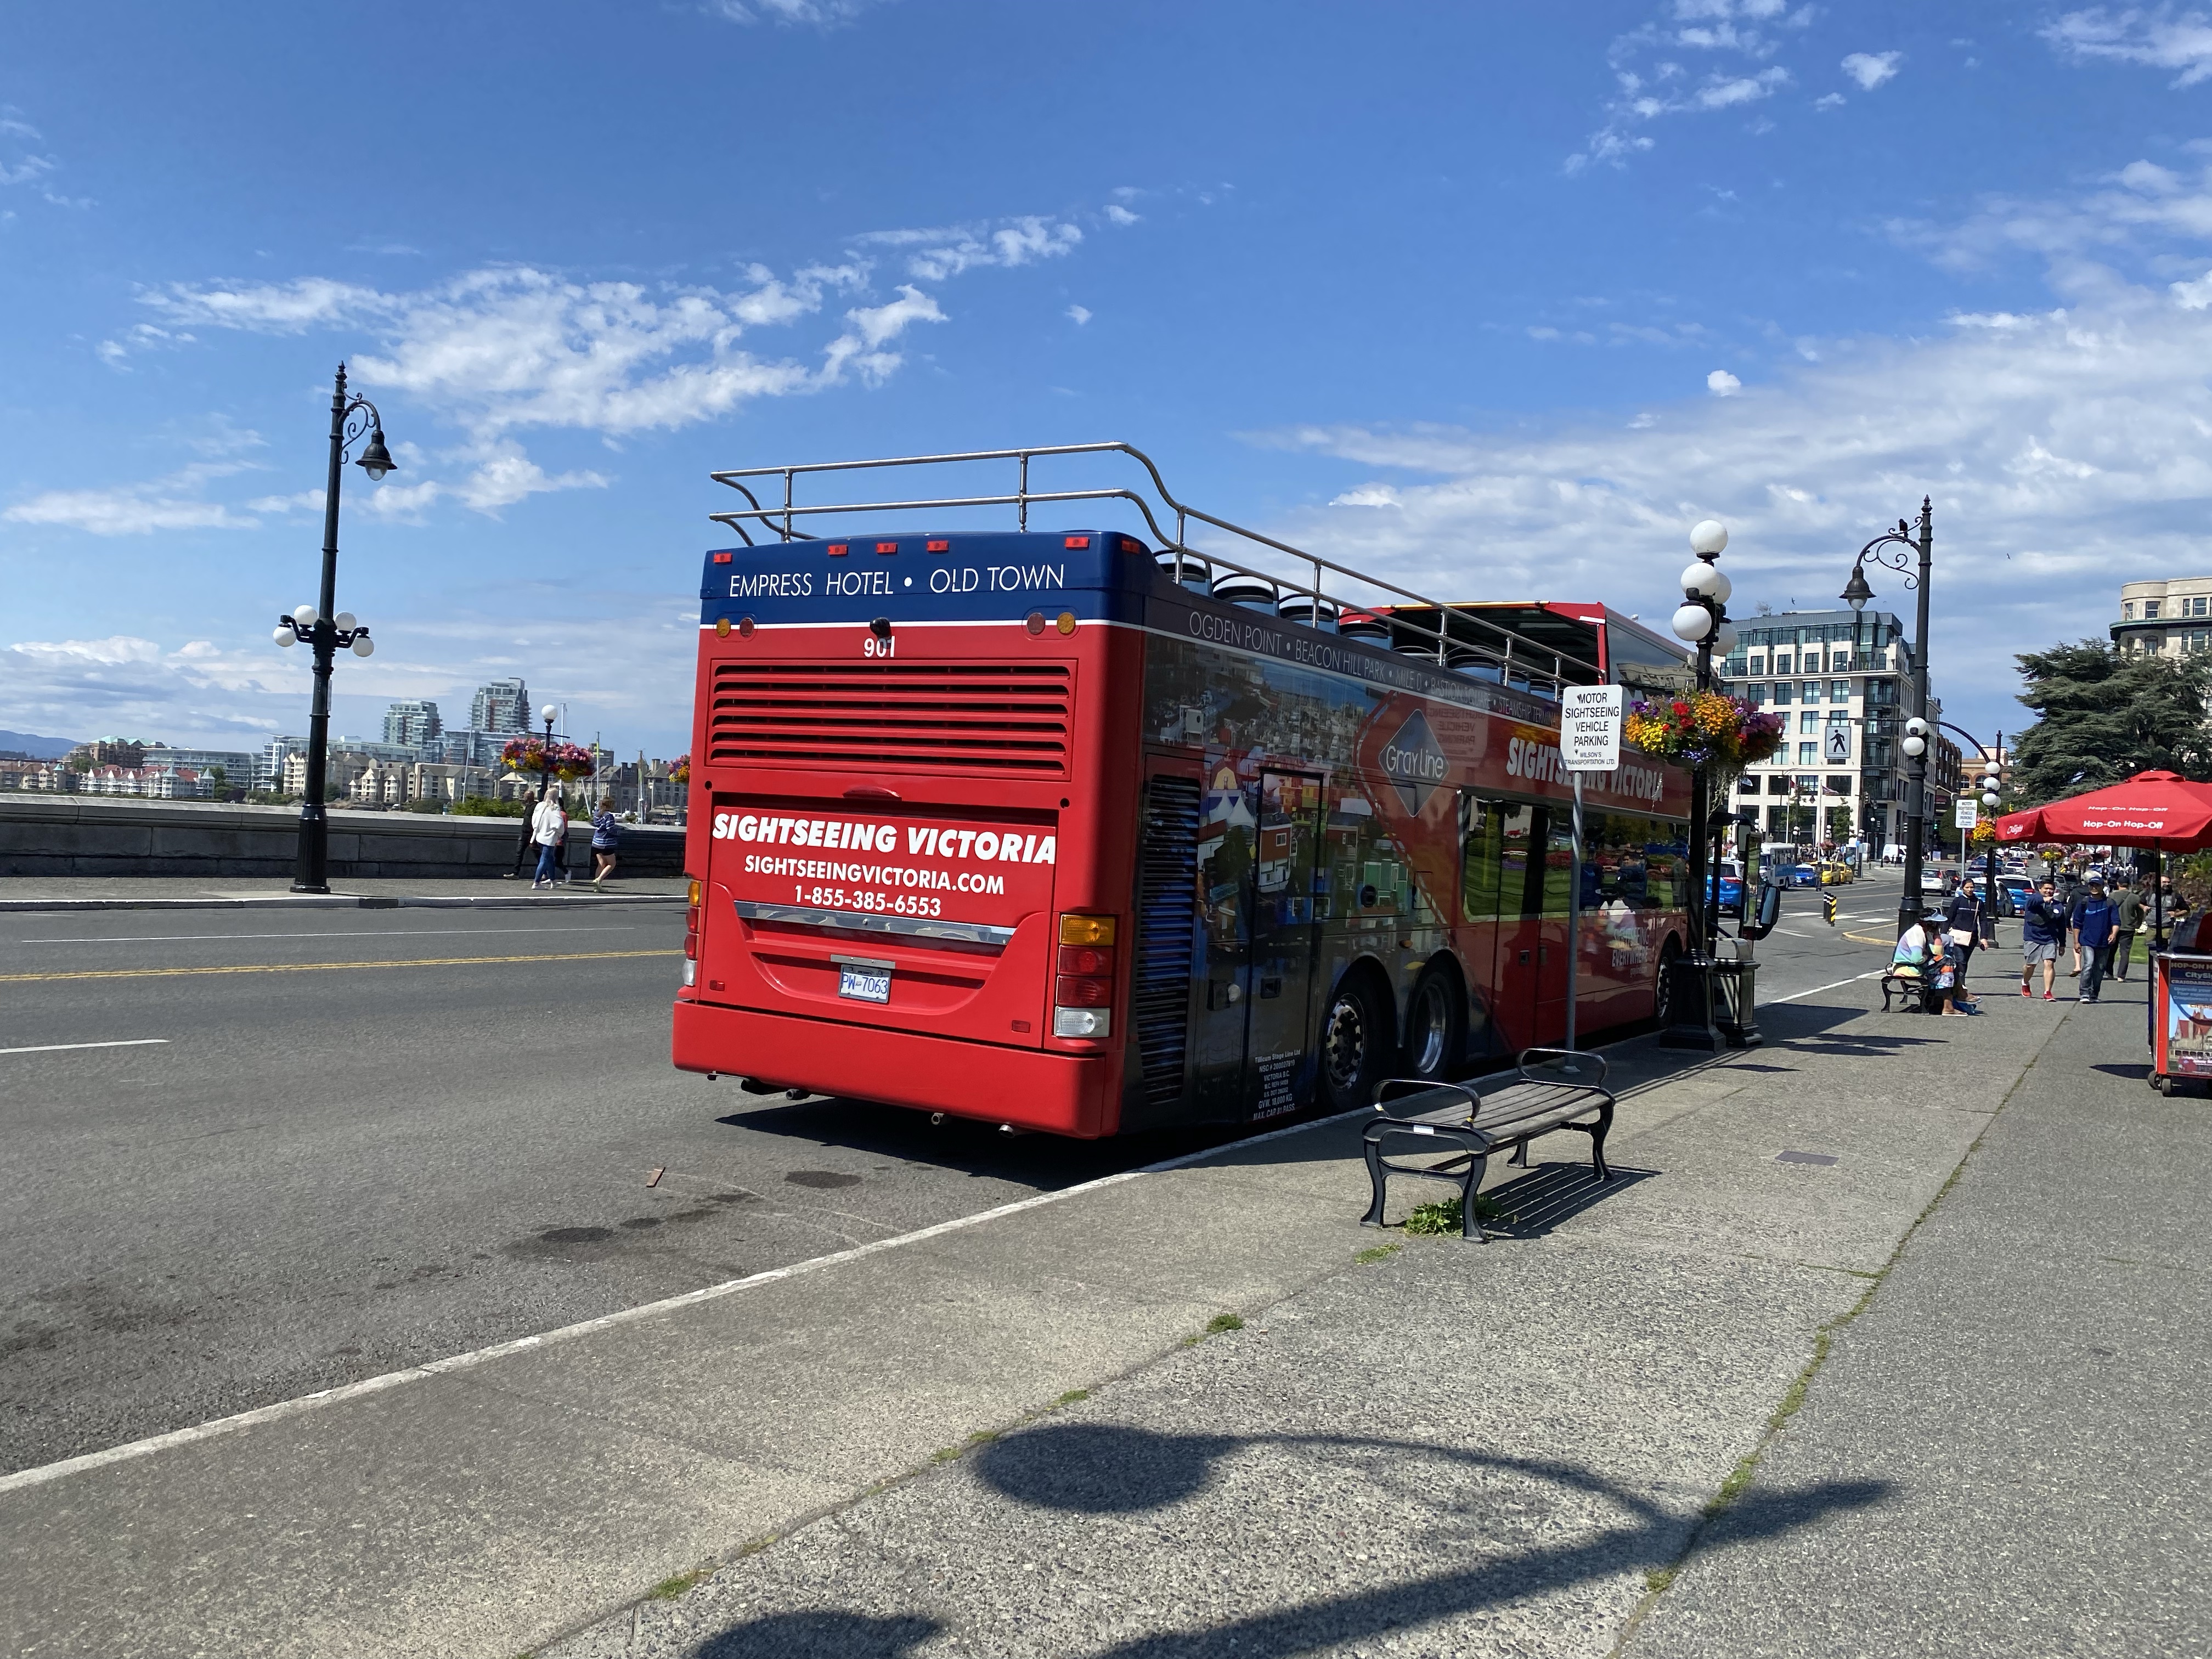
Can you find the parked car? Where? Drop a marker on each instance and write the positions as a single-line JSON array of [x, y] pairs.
[[1798, 875], [1836, 873], [1730, 875]]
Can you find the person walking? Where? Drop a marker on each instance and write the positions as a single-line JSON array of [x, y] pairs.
[[2131, 907], [548, 828], [606, 839], [2042, 929], [1971, 923], [2096, 924]]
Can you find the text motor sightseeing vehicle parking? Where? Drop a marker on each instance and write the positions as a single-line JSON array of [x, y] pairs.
[[1062, 830]]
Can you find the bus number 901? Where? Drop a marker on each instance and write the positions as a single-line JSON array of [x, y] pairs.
[[885, 647]]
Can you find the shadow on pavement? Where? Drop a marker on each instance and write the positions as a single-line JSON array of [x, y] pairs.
[[1108, 1469], [1535, 1203], [824, 1635]]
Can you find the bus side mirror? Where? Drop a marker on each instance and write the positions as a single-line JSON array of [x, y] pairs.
[[1765, 911]]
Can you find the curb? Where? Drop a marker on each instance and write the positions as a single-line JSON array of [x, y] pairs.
[[342, 902]]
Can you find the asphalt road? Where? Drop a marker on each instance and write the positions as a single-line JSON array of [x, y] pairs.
[[342, 1143]]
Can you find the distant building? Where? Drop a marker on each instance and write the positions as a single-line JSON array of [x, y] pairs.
[[110, 751], [2169, 618], [1840, 681], [501, 706], [237, 766], [269, 765], [416, 725]]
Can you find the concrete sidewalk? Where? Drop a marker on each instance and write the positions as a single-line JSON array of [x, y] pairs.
[[274, 892], [1030, 1433]]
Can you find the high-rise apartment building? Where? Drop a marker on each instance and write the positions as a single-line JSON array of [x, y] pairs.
[[415, 724], [501, 706], [1840, 681]]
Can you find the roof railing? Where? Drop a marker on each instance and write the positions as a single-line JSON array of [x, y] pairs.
[[1461, 640]]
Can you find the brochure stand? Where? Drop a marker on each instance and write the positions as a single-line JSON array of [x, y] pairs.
[[2181, 1021]]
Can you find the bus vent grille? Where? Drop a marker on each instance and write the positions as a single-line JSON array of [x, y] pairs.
[[1167, 921], [929, 717]]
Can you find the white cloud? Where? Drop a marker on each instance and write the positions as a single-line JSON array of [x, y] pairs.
[[2156, 38], [171, 502], [1722, 384], [821, 14], [1871, 68], [1830, 100], [1651, 84], [860, 348], [1726, 93], [1078, 315], [2066, 451], [196, 693], [2141, 206], [946, 252], [1121, 216]]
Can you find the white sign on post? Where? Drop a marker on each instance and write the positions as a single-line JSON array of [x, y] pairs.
[[1965, 814], [1590, 727]]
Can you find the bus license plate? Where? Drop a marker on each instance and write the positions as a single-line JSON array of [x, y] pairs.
[[867, 984]]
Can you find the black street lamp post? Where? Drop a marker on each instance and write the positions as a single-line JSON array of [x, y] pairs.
[[1892, 548], [330, 633], [1702, 621]]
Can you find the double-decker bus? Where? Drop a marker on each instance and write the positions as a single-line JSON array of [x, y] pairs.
[[1086, 831]]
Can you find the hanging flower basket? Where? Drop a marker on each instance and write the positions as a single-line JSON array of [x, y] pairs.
[[566, 761], [1704, 729], [680, 771]]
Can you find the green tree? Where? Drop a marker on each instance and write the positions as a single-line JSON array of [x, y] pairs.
[[2103, 715]]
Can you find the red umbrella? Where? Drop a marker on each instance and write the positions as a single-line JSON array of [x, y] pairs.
[[2160, 810]]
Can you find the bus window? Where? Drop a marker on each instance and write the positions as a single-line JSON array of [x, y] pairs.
[[1668, 867], [1559, 863], [1481, 851], [1520, 883], [1613, 843]]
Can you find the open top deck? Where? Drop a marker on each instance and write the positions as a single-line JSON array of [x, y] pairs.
[[1299, 588]]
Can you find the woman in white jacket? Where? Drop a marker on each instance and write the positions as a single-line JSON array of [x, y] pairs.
[[549, 827]]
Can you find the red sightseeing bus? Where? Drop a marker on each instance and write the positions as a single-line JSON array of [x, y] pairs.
[[1085, 832]]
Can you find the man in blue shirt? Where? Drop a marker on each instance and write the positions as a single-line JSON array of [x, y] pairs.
[[2096, 925], [2042, 929]]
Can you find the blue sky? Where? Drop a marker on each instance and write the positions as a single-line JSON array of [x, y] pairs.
[[1496, 300]]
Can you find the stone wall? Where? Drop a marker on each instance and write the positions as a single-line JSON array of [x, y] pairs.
[[68, 836]]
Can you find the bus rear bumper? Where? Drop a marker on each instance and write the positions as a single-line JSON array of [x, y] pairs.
[[1076, 1095]]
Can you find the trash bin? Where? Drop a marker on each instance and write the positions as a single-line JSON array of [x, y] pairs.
[[1735, 1002]]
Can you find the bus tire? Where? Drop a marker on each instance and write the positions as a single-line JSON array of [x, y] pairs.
[[1662, 991], [1356, 1043], [1435, 1025]]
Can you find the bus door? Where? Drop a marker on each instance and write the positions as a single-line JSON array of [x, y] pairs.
[[1228, 842], [1519, 929], [1285, 940], [1554, 894]]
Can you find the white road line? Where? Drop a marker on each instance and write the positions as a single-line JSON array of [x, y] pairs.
[[354, 932], [223, 1425], [1830, 986], [56, 1048]]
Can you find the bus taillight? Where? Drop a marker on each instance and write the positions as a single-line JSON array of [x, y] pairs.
[[1083, 989], [691, 936]]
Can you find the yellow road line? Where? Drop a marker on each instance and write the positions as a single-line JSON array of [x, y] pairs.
[[323, 966], [1870, 939]]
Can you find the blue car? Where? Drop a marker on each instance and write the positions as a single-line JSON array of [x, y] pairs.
[[1730, 876], [1798, 875]]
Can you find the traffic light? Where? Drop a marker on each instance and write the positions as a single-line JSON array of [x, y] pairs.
[[1828, 908]]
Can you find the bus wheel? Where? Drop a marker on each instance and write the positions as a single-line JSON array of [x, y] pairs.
[[1354, 1039], [1436, 1020], [1662, 997]]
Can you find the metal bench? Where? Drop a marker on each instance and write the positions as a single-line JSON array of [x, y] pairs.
[[1911, 990], [1565, 1091]]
